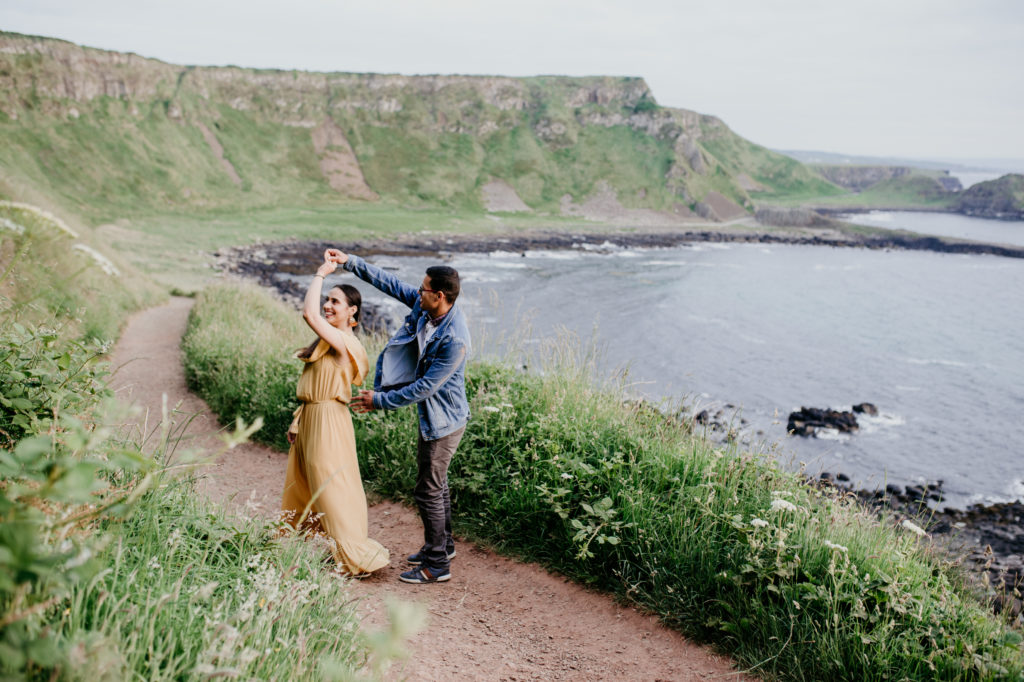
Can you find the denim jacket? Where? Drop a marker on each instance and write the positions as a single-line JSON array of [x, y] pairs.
[[436, 378]]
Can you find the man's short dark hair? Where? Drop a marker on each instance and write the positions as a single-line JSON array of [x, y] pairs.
[[445, 280]]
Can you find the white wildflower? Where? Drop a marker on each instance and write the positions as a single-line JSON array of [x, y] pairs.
[[206, 591], [781, 493], [99, 258], [82, 557], [838, 548], [153, 564], [491, 408], [566, 476], [759, 523], [783, 505], [40, 213], [174, 538], [9, 224], [506, 406], [913, 528]]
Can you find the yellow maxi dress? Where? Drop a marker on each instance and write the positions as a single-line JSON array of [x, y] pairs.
[[322, 463]]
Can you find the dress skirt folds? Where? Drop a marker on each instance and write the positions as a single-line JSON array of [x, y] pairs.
[[323, 472]]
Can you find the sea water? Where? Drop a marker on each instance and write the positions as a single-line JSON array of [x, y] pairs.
[[935, 341]]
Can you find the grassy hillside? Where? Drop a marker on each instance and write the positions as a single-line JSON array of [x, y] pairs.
[[1000, 198], [108, 135]]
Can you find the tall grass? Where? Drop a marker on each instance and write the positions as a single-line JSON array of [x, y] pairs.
[[722, 543], [190, 591], [111, 566]]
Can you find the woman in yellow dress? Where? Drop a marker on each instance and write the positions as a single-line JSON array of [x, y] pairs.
[[322, 488]]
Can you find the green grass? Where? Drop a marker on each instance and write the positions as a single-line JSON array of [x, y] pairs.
[[49, 270], [720, 542], [780, 176], [190, 591], [112, 566]]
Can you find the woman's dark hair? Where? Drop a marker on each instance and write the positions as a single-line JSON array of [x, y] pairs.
[[353, 297], [445, 280]]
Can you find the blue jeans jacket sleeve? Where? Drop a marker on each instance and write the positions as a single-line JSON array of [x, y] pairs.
[[450, 356], [383, 280]]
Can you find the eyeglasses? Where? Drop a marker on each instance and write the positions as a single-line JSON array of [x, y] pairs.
[[432, 291]]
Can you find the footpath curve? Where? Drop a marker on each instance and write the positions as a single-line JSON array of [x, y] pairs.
[[497, 619]]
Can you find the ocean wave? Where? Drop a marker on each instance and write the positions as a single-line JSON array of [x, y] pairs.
[[937, 361], [883, 420], [555, 255], [832, 434], [710, 246], [1017, 489], [482, 276], [605, 246]]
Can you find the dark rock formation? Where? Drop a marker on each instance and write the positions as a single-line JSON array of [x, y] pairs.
[[807, 420], [866, 408]]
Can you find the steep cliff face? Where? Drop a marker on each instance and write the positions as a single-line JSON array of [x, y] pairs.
[[121, 132]]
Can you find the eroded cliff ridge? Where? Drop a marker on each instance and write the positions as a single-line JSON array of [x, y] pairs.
[[121, 132]]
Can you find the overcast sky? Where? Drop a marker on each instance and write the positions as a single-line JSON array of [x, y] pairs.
[[940, 79]]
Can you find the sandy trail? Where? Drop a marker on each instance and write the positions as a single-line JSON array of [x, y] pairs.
[[497, 619]]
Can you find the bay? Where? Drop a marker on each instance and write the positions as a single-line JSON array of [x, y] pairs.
[[944, 225], [936, 341]]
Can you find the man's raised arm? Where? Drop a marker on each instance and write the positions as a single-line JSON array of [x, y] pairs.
[[371, 274]]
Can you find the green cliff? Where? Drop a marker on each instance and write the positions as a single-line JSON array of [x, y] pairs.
[[111, 134]]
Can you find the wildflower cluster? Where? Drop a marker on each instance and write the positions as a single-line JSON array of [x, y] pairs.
[[101, 260], [8, 224], [39, 215]]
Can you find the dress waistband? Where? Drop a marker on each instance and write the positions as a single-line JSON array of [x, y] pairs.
[[321, 402]]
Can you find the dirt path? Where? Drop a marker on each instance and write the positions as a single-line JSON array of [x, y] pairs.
[[497, 619]]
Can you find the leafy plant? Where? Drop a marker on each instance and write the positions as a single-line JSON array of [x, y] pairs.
[[43, 376]]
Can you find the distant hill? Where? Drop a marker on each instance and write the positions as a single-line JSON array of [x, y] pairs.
[[839, 159], [1002, 198], [112, 134]]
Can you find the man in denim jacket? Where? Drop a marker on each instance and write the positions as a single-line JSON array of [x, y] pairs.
[[424, 363]]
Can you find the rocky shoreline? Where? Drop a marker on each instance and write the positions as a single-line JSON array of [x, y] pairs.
[[988, 539], [283, 256]]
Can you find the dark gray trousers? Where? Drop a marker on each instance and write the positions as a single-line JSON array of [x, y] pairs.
[[433, 499]]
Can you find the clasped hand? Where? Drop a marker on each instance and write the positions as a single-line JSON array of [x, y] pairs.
[[362, 403]]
